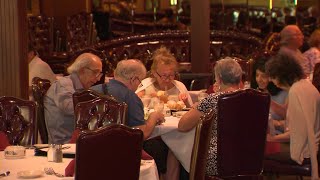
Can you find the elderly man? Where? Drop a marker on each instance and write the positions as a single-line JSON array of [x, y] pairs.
[[59, 111], [291, 41], [127, 77]]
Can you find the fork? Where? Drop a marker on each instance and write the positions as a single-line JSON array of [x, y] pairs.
[[50, 171]]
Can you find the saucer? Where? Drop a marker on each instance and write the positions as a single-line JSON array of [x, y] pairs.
[[29, 174]]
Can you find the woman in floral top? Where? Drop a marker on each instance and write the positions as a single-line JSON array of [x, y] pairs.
[[313, 54], [228, 77]]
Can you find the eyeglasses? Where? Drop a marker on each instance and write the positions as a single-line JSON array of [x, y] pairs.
[[137, 79], [97, 73], [165, 77]]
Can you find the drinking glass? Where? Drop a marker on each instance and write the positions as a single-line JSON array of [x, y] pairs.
[[146, 101], [159, 106]]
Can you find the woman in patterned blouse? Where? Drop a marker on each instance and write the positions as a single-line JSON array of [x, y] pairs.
[[228, 77]]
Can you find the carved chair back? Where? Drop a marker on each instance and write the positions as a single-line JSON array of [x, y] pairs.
[[95, 159], [240, 136], [41, 35], [316, 76], [85, 95], [39, 89], [81, 31], [18, 120], [98, 112]]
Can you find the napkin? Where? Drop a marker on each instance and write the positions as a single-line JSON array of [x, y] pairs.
[[74, 136], [145, 155], [4, 142], [272, 147], [69, 171]]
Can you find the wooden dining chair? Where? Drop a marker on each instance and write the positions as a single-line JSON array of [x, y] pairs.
[[240, 125], [316, 76], [39, 89], [85, 95], [99, 112], [18, 120], [110, 152]]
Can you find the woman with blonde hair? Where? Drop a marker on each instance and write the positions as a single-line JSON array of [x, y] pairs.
[[163, 74]]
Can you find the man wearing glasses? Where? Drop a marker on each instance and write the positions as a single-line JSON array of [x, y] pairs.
[[127, 77], [59, 110]]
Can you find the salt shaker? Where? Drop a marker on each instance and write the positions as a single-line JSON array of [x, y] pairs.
[[50, 153], [58, 156]]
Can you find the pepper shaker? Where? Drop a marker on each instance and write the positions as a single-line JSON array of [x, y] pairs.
[[58, 153]]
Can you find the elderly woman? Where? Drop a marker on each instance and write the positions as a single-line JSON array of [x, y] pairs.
[[313, 54], [228, 76], [303, 113], [163, 72]]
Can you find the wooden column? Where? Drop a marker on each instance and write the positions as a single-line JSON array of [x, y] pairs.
[[200, 35], [13, 48]]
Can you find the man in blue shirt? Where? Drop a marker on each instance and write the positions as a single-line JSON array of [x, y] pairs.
[[127, 77]]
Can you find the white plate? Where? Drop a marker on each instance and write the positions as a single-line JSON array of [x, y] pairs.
[[29, 174], [41, 145]]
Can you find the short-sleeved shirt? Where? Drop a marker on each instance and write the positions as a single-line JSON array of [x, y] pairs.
[[206, 105], [123, 94]]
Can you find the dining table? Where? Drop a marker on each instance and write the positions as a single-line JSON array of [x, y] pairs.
[[33, 167], [180, 143]]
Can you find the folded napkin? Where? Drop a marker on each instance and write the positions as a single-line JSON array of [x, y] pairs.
[[4, 142], [74, 136], [272, 147], [69, 170]]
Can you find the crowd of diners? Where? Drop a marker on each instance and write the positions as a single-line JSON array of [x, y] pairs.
[[285, 75]]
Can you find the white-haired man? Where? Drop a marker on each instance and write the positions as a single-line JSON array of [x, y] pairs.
[[59, 110], [127, 77], [291, 41]]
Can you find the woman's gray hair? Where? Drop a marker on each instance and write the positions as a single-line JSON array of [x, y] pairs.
[[228, 70], [84, 60], [127, 69]]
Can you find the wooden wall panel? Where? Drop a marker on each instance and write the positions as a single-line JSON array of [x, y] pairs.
[[13, 63], [61, 9]]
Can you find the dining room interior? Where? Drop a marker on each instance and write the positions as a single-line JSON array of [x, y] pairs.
[[197, 35]]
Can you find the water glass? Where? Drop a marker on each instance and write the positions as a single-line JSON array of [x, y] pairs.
[[159, 106], [146, 101]]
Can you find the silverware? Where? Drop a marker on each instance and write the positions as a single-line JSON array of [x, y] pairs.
[[5, 174], [50, 171]]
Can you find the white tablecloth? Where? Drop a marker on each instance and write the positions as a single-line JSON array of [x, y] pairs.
[[180, 143], [148, 169]]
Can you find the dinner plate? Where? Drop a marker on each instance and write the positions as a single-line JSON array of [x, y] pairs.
[[30, 174], [41, 145]]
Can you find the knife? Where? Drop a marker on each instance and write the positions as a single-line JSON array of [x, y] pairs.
[[5, 174]]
